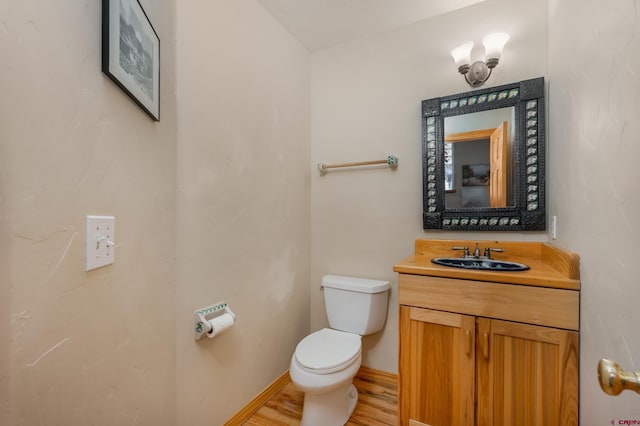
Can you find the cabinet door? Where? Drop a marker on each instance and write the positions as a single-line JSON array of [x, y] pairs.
[[437, 361], [527, 375]]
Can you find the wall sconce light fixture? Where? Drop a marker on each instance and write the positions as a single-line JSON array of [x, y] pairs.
[[480, 71]]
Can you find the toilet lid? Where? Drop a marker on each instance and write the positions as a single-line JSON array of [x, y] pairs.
[[328, 350]]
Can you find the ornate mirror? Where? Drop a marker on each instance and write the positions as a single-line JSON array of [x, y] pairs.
[[483, 161]]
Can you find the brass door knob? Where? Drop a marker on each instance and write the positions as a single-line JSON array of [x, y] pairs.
[[614, 379]]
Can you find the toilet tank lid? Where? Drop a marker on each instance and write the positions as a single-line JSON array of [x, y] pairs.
[[362, 285]]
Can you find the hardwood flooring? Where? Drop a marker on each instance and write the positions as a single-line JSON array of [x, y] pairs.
[[377, 403]]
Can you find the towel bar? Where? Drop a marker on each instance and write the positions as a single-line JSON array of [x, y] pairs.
[[391, 160]]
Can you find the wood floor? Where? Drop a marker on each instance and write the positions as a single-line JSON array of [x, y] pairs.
[[377, 403]]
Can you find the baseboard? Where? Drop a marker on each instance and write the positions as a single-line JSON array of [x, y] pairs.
[[254, 405], [383, 376], [261, 399]]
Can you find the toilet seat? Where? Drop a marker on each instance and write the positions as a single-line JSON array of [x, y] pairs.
[[327, 351]]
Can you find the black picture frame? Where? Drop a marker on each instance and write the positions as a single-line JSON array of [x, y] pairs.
[[528, 212], [131, 53]]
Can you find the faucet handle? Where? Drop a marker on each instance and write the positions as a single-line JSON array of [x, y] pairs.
[[488, 250], [465, 248]]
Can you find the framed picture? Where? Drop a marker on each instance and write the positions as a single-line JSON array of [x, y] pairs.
[[131, 53], [475, 174]]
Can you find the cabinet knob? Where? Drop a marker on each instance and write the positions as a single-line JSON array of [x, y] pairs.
[[485, 345], [468, 341], [614, 379]]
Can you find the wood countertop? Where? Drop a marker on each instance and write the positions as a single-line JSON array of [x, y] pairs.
[[550, 266]]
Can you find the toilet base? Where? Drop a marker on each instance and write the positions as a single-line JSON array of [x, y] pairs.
[[331, 408]]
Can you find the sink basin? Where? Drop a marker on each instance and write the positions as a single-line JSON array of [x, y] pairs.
[[481, 264]]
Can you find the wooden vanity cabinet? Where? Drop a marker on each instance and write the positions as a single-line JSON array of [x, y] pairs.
[[487, 354], [489, 348], [437, 368], [463, 370], [530, 372]]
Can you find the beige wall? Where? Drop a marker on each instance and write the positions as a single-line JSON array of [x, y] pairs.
[[594, 101], [231, 201], [80, 348], [365, 105], [100, 347], [243, 202]]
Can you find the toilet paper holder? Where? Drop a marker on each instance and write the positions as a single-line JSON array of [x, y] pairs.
[[204, 315]]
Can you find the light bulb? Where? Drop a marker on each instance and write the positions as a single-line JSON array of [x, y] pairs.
[[462, 54], [493, 44]]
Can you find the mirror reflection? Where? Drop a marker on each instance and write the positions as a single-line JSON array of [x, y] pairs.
[[478, 164]]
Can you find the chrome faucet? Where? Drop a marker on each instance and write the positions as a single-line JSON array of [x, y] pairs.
[[465, 253], [476, 252], [488, 250]]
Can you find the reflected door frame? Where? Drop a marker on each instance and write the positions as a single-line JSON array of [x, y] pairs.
[[498, 145]]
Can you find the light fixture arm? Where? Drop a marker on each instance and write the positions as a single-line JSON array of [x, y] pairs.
[[464, 69], [478, 72], [492, 63], [477, 82]]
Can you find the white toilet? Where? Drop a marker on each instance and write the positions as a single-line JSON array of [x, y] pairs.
[[325, 362]]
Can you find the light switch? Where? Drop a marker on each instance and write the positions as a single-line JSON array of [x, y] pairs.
[[101, 231]]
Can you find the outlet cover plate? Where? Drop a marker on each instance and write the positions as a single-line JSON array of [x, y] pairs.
[[101, 231]]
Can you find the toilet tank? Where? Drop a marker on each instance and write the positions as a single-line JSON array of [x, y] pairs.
[[355, 305]]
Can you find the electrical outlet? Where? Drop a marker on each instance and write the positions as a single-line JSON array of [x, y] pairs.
[[101, 231]]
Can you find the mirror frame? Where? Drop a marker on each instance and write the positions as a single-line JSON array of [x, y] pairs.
[[528, 212]]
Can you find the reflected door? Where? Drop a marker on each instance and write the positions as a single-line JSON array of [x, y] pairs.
[[498, 156]]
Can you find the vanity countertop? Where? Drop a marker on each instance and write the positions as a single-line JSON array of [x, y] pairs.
[[550, 266]]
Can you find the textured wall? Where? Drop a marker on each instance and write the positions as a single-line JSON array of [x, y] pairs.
[[78, 347], [594, 105], [365, 105], [99, 347], [243, 202]]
